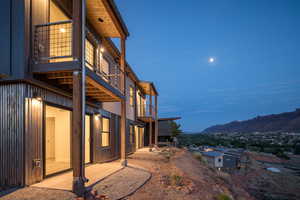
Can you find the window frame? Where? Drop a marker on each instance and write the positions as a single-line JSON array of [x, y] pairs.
[[103, 58], [107, 132], [91, 66], [131, 95], [131, 134]]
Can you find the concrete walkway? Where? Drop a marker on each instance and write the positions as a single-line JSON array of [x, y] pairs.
[[94, 172], [118, 185]]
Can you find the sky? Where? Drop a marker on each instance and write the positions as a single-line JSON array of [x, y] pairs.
[[255, 44]]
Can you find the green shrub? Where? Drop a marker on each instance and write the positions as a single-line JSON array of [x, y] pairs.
[[198, 156], [223, 197]]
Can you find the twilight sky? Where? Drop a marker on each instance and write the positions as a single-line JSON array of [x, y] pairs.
[[255, 43]]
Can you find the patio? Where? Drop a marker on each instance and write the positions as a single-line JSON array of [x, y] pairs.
[[94, 172]]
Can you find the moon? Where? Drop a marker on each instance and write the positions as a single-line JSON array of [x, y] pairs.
[[211, 60]]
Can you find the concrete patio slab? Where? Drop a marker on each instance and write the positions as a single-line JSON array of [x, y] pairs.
[[94, 173], [118, 185]]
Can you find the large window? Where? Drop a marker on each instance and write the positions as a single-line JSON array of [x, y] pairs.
[[131, 95], [131, 134], [57, 140], [89, 54], [105, 133]]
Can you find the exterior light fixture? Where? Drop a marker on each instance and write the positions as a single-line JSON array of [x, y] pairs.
[[37, 97], [102, 49], [62, 30], [100, 19], [97, 115]]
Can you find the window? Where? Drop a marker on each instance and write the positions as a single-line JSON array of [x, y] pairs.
[[89, 54], [131, 95], [105, 66], [131, 134], [105, 134]]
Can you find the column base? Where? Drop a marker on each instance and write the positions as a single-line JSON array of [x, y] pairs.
[[124, 162], [78, 186]]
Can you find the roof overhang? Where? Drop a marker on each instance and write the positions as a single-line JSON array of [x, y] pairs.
[[148, 87], [169, 119], [105, 17]]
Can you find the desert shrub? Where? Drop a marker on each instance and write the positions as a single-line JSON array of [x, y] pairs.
[[167, 153], [198, 156], [223, 197], [176, 180]]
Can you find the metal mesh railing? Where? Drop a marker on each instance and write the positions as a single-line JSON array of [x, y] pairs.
[[53, 42]]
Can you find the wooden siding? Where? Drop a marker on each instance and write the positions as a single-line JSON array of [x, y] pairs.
[[33, 141], [11, 135]]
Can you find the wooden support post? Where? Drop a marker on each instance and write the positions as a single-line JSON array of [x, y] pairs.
[[123, 104], [78, 114], [156, 120], [151, 118]]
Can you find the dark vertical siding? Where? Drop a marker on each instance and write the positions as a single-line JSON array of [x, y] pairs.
[[5, 42], [11, 135], [18, 38], [33, 140]]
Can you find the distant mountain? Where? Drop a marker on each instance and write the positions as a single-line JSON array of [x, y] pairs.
[[288, 121]]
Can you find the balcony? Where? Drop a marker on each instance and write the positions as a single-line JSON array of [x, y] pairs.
[[146, 112], [53, 59]]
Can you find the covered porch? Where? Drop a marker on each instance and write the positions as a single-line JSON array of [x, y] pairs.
[[94, 173]]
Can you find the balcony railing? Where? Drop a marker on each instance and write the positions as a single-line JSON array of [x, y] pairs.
[[146, 110], [53, 44]]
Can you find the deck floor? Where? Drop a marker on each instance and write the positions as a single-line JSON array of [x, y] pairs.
[[94, 172]]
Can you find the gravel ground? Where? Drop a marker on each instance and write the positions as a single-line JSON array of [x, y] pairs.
[[116, 186], [32, 193]]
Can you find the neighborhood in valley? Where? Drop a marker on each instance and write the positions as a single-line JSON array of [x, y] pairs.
[[147, 100]]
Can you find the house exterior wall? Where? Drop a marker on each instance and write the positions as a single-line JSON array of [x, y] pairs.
[[130, 109], [11, 135], [22, 115], [218, 161], [12, 39], [21, 135], [115, 107]]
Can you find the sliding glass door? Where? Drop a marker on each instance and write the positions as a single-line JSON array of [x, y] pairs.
[[57, 140]]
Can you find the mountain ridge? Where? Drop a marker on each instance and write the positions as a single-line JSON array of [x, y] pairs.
[[287, 121]]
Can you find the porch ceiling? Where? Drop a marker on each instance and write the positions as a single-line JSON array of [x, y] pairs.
[[93, 90], [148, 87], [106, 19]]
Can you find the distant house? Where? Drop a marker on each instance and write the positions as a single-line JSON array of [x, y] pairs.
[[214, 158], [231, 157], [165, 129]]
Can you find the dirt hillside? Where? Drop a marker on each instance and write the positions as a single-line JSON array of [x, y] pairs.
[[177, 174]]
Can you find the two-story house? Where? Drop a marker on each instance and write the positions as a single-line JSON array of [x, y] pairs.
[[68, 97]]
